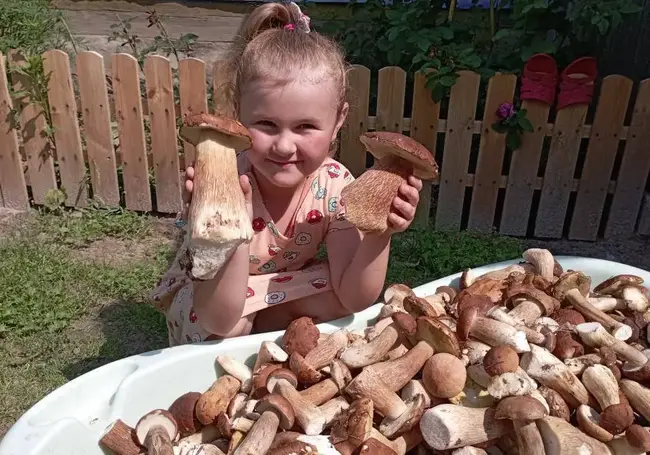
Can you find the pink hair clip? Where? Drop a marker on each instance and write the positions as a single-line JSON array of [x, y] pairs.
[[290, 27]]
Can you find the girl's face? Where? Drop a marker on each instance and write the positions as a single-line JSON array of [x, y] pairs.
[[293, 125]]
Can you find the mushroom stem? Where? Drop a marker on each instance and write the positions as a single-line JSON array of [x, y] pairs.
[[238, 370], [577, 365], [121, 439], [397, 373], [580, 303], [528, 438], [450, 426], [332, 409], [326, 351], [158, 442], [385, 401], [371, 352], [620, 446], [500, 315], [637, 395], [605, 304], [544, 367], [496, 333], [595, 335], [260, 437], [526, 312], [601, 383], [308, 415], [218, 219], [543, 261], [320, 392], [269, 352], [560, 438]]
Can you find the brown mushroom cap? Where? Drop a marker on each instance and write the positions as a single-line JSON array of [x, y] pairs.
[[281, 373], [616, 418], [522, 407], [382, 144], [354, 425], [568, 316], [405, 323], [183, 410], [549, 304], [444, 375], [300, 336], [374, 447], [417, 306], [438, 335], [261, 377], [613, 284], [566, 347], [570, 280], [407, 420], [305, 373], [280, 406], [638, 437], [500, 359], [194, 124], [556, 404], [156, 418]]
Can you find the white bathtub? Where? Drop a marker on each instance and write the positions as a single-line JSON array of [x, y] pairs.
[[71, 419]]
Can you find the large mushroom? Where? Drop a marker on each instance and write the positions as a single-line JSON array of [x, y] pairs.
[[369, 198], [218, 220]]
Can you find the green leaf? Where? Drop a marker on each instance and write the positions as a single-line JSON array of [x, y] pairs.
[[449, 80], [423, 43], [447, 33], [499, 127], [526, 125], [438, 93], [473, 61], [513, 141]]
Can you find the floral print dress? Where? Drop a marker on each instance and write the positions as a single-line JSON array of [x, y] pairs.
[[282, 266]]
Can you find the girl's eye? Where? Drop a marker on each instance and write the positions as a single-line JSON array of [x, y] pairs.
[[265, 123], [306, 126]]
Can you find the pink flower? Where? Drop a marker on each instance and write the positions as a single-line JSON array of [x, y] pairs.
[[506, 110]]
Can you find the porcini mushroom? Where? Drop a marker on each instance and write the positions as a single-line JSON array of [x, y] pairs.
[[353, 427], [275, 412], [560, 437], [216, 399], [121, 439], [218, 221], [156, 431], [523, 411], [183, 410], [368, 200], [444, 375]]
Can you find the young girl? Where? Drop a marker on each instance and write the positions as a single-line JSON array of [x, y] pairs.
[[287, 85]]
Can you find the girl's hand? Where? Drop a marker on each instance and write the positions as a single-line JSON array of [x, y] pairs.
[[404, 205], [189, 186]]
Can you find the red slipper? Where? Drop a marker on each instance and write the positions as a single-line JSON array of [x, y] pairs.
[[577, 82], [539, 79]]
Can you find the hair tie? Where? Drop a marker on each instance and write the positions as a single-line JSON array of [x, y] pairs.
[[303, 23]]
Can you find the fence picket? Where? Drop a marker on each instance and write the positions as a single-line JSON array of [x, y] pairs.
[[391, 90], [96, 112], [219, 100], [193, 94], [458, 141], [424, 129], [12, 177], [37, 147], [644, 218], [635, 166], [352, 151], [560, 167], [599, 161], [522, 174], [160, 97], [487, 179], [63, 106], [128, 111]]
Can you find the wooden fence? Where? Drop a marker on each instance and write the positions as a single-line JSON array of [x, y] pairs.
[[120, 147]]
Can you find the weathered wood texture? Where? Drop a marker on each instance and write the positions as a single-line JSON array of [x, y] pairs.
[[131, 131]]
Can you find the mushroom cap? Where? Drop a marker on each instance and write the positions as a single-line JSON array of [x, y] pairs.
[[589, 423], [305, 373], [397, 290], [438, 335], [566, 347], [500, 359], [383, 144], [617, 418], [392, 428], [183, 410], [372, 446], [522, 407], [556, 404], [354, 425], [529, 292], [279, 405], [194, 124], [405, 323], [613, 284], [417, 306], [570, 280], [568, 316], [300, 336], [156, 418], [638, 437], [261, 377], [444, 375], [281, 373]]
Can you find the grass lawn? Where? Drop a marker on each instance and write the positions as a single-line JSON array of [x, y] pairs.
[[73, 291]]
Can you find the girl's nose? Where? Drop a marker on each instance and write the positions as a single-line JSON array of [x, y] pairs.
[[284, 145]]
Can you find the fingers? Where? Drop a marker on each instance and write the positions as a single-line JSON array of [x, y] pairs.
[[245, 186], [410, 194], [189, 172], [397, 223], [404, 209]]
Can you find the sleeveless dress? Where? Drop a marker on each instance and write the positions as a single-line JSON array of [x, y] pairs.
[[282, 266]]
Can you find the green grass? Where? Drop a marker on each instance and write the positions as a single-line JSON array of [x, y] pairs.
[[64, 313]]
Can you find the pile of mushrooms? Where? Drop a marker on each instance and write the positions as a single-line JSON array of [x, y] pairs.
[[528, 359]]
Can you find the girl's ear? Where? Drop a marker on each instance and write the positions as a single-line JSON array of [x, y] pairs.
[[341, 120]]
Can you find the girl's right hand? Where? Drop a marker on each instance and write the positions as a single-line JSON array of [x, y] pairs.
[[189, 186]]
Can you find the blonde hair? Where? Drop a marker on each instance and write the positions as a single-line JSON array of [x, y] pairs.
[[264, 48]]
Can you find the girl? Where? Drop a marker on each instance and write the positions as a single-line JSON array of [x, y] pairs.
[[286, 84]]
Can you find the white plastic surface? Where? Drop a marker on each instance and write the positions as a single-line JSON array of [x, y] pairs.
[[71, 419]]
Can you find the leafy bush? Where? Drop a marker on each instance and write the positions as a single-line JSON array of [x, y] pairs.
[[30, 25]]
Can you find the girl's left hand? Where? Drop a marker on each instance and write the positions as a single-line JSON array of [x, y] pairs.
[[404, 205]]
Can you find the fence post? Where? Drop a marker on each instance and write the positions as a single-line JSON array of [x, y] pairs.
[[352, 151], [193, 94]]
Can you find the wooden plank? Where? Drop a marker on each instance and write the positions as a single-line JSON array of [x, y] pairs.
[[160, 96], [91, 77], [128, 111], [560, 167], [352, 151], [455, 159], [424, 129], [391, 89], [63, 106], [635, 166], [193, 94], [501, 89], [37, 148], [220, 81], [12, 177], [599, 161], [644, 217], [523, 172]]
